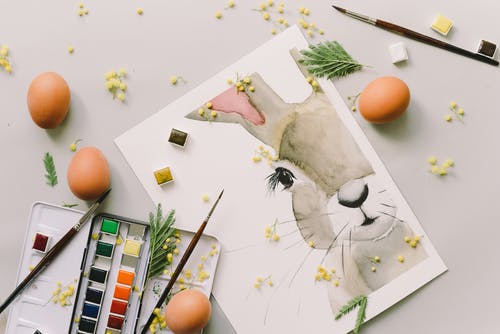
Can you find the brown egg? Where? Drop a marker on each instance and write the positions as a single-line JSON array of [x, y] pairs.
[[48, 100], [188, 312], [88, 174], [384, 100]]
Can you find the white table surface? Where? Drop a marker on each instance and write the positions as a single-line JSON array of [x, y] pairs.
[[458, 211]]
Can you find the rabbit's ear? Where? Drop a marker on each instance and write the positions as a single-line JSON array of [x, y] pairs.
[[231, 106], [260, 111]]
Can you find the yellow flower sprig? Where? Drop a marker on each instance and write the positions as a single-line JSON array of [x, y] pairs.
[[456, 110], [171, 246], [413, 242], [268, 11], [62, 295], [314, 84], [73, 145], [264, 153], [4, 59], [323, 274], [265, 8], [352, 101], [82, 10], [266, 281], [115, 83], [175, 79], [374, 261], [242, 84], [441, 170], [207, 112], [213, 251], [270, 232], [158, 322]]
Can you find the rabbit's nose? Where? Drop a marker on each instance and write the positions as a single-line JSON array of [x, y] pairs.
[[353, 194]]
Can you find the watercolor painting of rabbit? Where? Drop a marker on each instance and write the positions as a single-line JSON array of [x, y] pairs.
[[338, 204]]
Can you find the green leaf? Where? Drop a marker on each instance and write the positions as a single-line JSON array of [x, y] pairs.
[[329, 60], [361, 314], [161, 230], [360, 301], [50, 168]]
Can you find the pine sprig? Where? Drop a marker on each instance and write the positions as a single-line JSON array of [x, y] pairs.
[[329, 60], [50, 168], [360, 301], [161, 230]]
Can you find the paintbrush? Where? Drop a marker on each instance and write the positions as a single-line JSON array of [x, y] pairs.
[[180, 266], [417, 36], [54, 251]]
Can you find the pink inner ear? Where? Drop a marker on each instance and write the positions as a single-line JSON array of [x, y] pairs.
[[238, 102]]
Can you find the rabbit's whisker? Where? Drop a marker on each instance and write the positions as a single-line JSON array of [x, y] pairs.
[[300, 267], [392, 216], [297, 242], [309, 217]]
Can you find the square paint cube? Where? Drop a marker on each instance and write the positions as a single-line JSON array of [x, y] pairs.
[[118, 307], [122, 292], [98, 275], [487, 48], [41, 242], [132, 247], [125, 277], [129, 261], [104, 249], [163, 176], [136, 230], [87, 325], [398, 52], [94, 295], [178, 137], [115, 322], [442, 25], [110, 226], [90, 310]]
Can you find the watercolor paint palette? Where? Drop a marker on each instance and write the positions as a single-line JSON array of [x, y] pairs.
[[98, 284], [114, 274]]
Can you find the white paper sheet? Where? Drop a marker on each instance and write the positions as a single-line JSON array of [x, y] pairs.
[[219, 155]]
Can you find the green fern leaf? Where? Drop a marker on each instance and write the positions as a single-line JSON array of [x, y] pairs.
[[329, 60], [349, 306], [50, 168], [360, 319], [360, 301], [161, 229]]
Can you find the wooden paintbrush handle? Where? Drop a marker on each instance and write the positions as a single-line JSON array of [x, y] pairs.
[[410, 33], [432, 41], [51, 254]]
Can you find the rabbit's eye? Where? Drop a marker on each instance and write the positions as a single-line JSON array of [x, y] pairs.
[[281, 176]]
